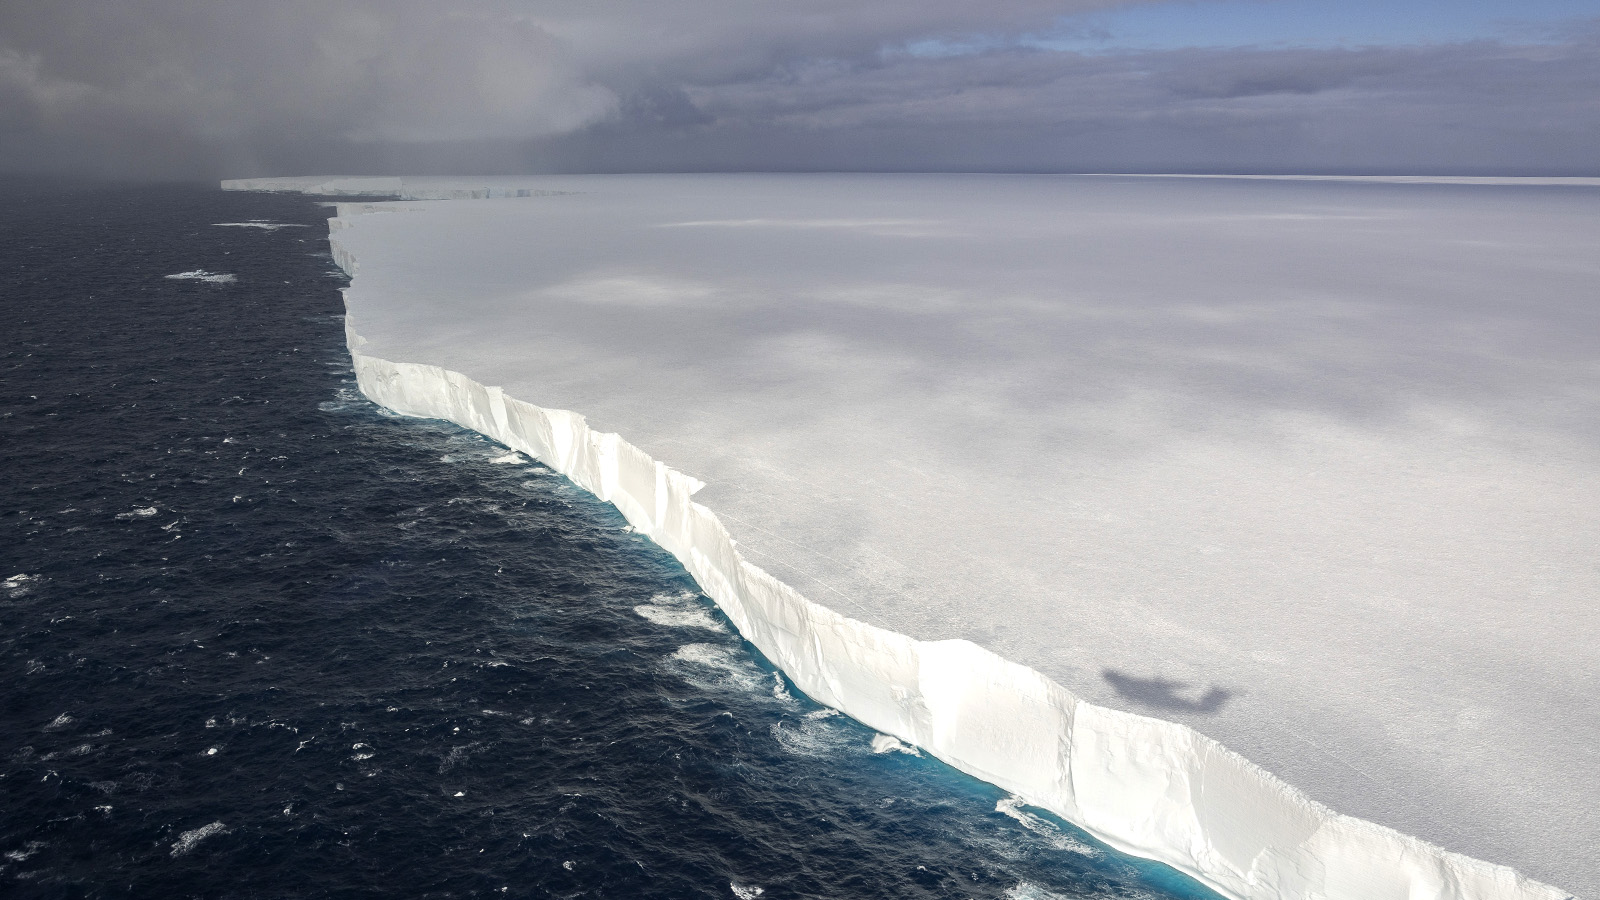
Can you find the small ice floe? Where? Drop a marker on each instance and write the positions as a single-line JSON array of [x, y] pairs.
[[511, 458], [263, 224], [883, 743], [138, 512], [746, 892], [189, 839], [203, 275]]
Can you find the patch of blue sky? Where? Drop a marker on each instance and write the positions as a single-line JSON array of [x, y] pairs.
[[1291, 23]]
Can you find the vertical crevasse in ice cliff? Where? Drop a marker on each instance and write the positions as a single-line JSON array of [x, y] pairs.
[[1149, 787]]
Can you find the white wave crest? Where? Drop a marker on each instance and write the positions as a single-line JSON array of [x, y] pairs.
[[189, 839], [883, 743], [681, 611], [1026, 891], [813, 736], [1011, 805], [258, 223], [724, 667], [203, 275], [18, 584]]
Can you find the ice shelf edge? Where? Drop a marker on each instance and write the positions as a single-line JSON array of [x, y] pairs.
[[1148, 787]]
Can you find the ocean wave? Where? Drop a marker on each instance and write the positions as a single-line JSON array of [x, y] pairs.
[[203, 275]]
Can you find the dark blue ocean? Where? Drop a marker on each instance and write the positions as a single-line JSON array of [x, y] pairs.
[[260, 639]]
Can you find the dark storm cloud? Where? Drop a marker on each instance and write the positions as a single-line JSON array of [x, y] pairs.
[[184, 87]]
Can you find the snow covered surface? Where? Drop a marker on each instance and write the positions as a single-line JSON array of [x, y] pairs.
[[1310, 466]]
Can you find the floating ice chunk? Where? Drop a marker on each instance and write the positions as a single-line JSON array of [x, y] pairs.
[[189, 839], [203, 275]]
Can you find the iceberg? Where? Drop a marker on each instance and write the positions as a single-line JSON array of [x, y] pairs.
[[1309, 348]]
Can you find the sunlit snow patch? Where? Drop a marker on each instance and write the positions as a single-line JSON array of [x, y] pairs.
[[203, 275]]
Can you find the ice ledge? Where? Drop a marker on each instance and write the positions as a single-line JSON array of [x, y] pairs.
[[392, 188], [1148, 787]]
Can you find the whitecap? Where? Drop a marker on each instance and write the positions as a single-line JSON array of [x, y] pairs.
[[780, 691], [883, 743], [508, 459], [746, 892], [189, 839], [813, 736], [1026, 891], [203, 275], [1011, 805], [724, 666], [682, 611], [27, 850], [138, 512], [258, 223], [18, 584]]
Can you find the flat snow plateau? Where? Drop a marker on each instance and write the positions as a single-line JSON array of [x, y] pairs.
[[1311, 466]]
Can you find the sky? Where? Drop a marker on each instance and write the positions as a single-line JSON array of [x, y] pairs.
[[234, 88]]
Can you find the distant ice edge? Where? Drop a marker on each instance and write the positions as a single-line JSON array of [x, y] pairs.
[[1148, 787]]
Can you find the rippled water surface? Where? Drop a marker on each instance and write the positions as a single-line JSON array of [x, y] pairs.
[[260, 639]]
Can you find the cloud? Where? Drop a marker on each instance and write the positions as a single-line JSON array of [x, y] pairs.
[[229, 87]]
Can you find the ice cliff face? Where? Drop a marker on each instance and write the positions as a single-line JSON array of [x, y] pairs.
[[1149, 787]]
